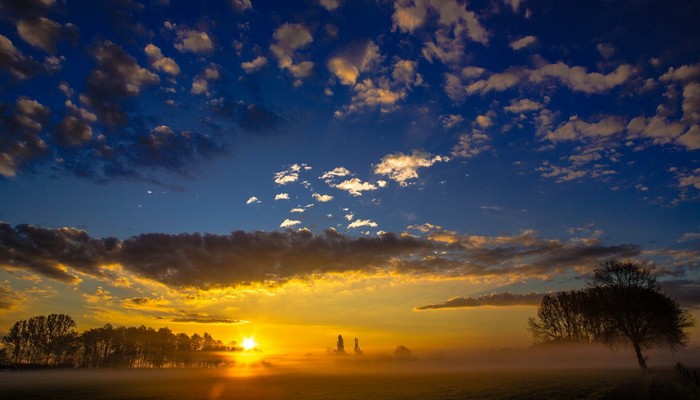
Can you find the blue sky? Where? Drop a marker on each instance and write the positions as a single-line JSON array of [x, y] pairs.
[[550, 135]]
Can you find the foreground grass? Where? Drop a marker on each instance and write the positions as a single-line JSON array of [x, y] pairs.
[[228, 384]]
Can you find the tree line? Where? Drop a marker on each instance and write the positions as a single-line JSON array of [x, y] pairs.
[[622, 304], [52, 341]]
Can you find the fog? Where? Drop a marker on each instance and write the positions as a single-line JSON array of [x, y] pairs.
[[497, 374]]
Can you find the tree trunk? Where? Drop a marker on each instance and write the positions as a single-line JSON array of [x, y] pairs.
[[642, 362]]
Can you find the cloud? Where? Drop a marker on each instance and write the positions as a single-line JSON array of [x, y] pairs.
[[198, 318], [523, 105], [282, 196], [369, 94], [484, 121], [288, 39], [685, 291], [253, 200], [523, 42], [21, 140], [496, 82], [451, 120], [322, 198], [402, 167], [493, 299], [13, 299], [330, 5], [161, 63], [200, 83], [48, 252], [657, 128], [353, 60], [17, 63], [117, 76], [289, 175], [576, 129], [44, 33], [207, 260], [242, 5], [471, 144], [335, 172], [193, 41], [579, 80], [410, 15], [256, 64], [359, 223], [355, 186], [287, 223]]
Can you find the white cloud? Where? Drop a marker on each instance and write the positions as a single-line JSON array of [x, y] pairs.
[[189, 40], [252, 200], [282, 196], [410, 15], [403, 167], [685, 73], [355, 186], [322, 198], [297, 210], [289, 175], [349, 217], [256, 64], [288, 39], [336, 172], [359, 223], [289, 222], [523, 42]]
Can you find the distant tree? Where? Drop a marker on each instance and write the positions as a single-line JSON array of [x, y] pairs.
[[402, 351], [358, 352], [623, 304], [340, 345]]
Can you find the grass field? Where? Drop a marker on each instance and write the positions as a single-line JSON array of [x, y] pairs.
[[260, 384]]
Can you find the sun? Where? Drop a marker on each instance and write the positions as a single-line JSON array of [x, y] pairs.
[[249, 343]]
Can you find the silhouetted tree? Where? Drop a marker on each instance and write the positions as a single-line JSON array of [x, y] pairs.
[[402, 351], [358, 352], [623, 304], [340, 345], [628, 301], [565, 317]]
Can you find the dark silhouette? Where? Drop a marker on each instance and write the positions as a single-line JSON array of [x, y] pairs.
[[358, 352], [340, 346], [402, 351], [623, 304], [52, 341]]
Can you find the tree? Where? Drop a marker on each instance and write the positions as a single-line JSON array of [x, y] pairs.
[[628, 302], [564, 317], [623, 304], [340, 346]]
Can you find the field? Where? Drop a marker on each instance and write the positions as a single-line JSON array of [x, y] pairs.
[[260, 383]]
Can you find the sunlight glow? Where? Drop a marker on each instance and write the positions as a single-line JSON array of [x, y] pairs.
[[249, 343]]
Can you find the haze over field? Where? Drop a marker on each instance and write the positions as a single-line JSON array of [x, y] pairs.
[[416, 173]]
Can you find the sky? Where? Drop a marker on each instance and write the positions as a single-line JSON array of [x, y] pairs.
[[406, 172]]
